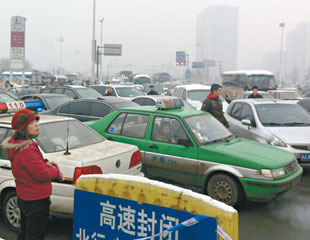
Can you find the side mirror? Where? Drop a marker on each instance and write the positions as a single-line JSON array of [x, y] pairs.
[[246, 122], [185, 142]]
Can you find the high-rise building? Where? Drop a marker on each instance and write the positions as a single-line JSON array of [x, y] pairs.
[[217, 35], [298, 51]]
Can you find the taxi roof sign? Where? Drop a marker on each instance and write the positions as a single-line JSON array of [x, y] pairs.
[[169, 103], [13, 107]]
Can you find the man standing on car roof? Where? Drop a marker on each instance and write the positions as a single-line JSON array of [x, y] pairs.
[[255, 93], [214, 105], [152, 91]]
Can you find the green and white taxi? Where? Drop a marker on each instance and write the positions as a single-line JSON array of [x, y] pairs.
[[190, 147], [88, 153]]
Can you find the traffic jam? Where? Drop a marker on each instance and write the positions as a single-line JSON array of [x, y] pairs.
[[134, 130], [155, 120]]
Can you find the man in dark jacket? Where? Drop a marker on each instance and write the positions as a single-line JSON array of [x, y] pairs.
[[214, 105], [152, 91], [255, 93]]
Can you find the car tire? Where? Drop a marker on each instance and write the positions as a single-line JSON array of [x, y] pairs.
[[11, 211], [225, 188]]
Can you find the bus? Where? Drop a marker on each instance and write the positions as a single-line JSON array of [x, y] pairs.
[[142, 79], [235, 82]]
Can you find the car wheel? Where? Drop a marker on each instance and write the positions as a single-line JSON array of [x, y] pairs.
[[11, 211], [224, 188]]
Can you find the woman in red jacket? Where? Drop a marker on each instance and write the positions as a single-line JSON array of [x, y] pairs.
[[33, 175]]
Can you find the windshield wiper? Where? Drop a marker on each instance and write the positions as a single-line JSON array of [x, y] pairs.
[[295, 124], [225, 139], [272, 124]]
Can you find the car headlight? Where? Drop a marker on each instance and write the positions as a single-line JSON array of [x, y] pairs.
[[272, 173], [275, 141]]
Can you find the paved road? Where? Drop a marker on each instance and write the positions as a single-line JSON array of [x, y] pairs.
[[287, 218]]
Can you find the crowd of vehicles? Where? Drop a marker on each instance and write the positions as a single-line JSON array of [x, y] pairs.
[[167, 137]]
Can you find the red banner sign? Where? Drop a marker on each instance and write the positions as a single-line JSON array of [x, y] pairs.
[[18, 39]]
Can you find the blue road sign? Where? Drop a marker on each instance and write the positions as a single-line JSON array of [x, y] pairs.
[[198, 65], [98, 216], [181, 58], [188, 74]]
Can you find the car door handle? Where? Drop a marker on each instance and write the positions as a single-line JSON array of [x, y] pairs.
[[6, 167], [153, 146], [109, 138]]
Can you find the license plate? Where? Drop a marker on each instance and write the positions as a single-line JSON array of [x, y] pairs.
[[305, 157]]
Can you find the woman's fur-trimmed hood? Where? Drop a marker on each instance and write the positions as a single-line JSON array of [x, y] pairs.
[[16, 145]]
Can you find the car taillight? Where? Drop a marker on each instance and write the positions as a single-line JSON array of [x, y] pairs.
[[86, 170], [135, 159]]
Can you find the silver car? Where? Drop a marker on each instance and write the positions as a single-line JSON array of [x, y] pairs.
[[283, 124]]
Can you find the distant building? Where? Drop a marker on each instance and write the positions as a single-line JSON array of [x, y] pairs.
[[217, 35], [298, 51]]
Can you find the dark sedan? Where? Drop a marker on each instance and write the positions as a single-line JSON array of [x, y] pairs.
[[90, 109], [50, 101]]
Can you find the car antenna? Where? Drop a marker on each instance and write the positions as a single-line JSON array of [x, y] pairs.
[[67, 147]]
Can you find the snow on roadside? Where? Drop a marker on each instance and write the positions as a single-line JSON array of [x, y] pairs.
[[184, 191]]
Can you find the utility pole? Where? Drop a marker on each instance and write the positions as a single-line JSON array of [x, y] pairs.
[[101, 47], [60, 40], [93, 49], [281, 25]]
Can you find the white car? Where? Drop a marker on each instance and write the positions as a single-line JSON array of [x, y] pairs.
[[123, 91], [283, 124], [90, 153], [195, 94]]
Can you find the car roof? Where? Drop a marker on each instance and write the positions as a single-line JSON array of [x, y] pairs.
[[283, 90], [156, 97], [115, 85], [45, 95], [109, 99], [250, 92], [181, 112], [194, 86], [249, 72], [257, 101], [7, 118]]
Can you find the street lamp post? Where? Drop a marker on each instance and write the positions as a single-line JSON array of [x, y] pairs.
[[100, 56], [93, 49], [60, 40], [281, 25]]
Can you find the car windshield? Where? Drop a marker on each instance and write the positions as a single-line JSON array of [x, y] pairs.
[[53, 102], [119, 105], [53, 136], [88, 93], [282, 115], [198, 95], [263, 82], [6, 98], [128, 92], [290, 96], [207, 129]]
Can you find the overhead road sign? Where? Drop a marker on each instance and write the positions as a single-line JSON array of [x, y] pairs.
[[112, 49], [209, 63], [198, 65]]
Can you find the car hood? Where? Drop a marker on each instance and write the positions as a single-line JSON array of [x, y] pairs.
[[246, 153], [292, 135], [195, 104], [198, 104]]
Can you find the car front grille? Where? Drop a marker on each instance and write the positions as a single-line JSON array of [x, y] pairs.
[[291, 167], [301, 147]]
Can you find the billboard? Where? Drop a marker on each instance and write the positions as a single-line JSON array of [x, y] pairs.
[[181, 58], [198, 65], [17, 52], [112, 49]]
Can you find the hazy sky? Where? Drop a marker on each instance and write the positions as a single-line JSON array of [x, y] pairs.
[[150, 30]]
